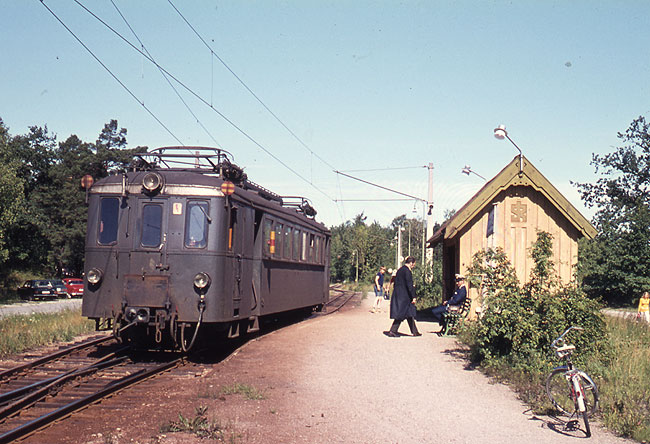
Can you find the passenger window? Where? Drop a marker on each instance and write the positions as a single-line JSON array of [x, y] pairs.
[[305, 246], [278, 239], [109, 209], [287, 242], [196, 224], [311, 247], [296, 245], [269, 237], [151, 225], [317, 250]]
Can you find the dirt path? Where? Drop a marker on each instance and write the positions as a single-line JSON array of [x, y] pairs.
[[334, 379]]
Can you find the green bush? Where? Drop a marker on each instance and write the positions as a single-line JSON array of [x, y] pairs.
[[518, 323]]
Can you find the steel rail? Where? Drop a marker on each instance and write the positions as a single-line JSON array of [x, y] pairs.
[[47, 419], [51, 357], [45, 387]]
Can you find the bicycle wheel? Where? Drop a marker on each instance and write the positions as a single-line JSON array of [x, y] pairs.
[[559, 392]]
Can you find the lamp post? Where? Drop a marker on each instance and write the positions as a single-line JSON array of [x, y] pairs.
[[356, 256], [468, 170], [501, 133], [409, 238]]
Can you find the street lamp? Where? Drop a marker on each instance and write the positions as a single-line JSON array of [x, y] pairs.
[[501, 133], [468, 169], [354, 253]]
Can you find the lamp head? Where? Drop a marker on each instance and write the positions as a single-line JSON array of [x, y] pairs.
[[500, 132], [466, 170]]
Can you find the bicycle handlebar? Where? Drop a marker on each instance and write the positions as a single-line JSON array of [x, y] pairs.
[[561, 337]]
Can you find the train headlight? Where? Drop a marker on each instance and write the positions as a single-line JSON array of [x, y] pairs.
[[202, 281], [94, 276], [152, 183]]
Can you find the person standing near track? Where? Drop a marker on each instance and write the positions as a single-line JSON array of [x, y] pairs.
[[402, 302], [379, 289]]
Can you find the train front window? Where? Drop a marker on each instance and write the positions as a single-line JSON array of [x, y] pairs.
[[196, 225], [109, 209], [151, 225]]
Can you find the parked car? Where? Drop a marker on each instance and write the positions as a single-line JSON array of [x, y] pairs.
[[37, 289], [75, 287], [59, 288]]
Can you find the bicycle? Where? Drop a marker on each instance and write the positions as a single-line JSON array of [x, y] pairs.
[[571, 391]]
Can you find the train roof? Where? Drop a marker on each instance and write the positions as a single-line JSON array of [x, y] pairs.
[[201, 171]]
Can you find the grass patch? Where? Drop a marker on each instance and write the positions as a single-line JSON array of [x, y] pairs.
[[623, 383], [199, 425], [247, 391], [23, 332]]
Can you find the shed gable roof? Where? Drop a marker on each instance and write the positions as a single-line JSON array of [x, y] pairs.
[[508, 177]]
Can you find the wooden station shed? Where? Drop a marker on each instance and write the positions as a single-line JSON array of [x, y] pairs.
[[508, 212]]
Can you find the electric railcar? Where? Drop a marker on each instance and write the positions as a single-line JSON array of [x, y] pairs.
[[184, 246]]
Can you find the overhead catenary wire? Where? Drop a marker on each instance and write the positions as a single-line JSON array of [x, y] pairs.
[[382, 187], [165, 77], [184, 86], [126, 88], [239, 79]]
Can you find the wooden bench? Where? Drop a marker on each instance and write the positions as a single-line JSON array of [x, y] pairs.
[[452, 317]]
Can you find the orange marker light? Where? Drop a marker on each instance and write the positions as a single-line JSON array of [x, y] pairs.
[[272, 243], [227, 188]]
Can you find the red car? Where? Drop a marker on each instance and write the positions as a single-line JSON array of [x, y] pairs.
[[75, 287]]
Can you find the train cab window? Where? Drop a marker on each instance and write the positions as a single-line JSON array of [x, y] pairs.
[[196, 224], [109, 210], [317, 250], [151, 225], [287, 243], [296, 245], [269, 237]]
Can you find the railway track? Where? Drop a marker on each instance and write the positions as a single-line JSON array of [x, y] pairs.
[[340, 298], [46, 389]]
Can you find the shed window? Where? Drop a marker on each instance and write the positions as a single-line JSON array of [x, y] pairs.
[[196, 224], [151, 225], [109, 210]]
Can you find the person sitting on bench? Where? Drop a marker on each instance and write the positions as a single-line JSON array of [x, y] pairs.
[[456, 300]]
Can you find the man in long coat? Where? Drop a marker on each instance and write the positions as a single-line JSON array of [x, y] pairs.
[[402, 303]]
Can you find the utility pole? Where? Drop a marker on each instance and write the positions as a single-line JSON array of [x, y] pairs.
[[430, 212]]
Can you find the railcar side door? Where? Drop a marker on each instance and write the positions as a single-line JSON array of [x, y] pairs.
[[240, 245]]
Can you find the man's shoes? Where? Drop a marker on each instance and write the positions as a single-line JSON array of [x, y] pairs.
[[417, 334], [390, 334]]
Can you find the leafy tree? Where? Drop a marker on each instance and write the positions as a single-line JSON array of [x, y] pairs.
[[48, 233], [616, 264], [11, 192]]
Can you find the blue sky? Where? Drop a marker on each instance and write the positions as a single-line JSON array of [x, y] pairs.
[[365, 85]]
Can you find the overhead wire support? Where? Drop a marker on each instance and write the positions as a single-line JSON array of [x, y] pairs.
[[126, 88], [188, 89]]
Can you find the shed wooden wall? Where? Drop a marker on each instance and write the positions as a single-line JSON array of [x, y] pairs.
[[520, 212]]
